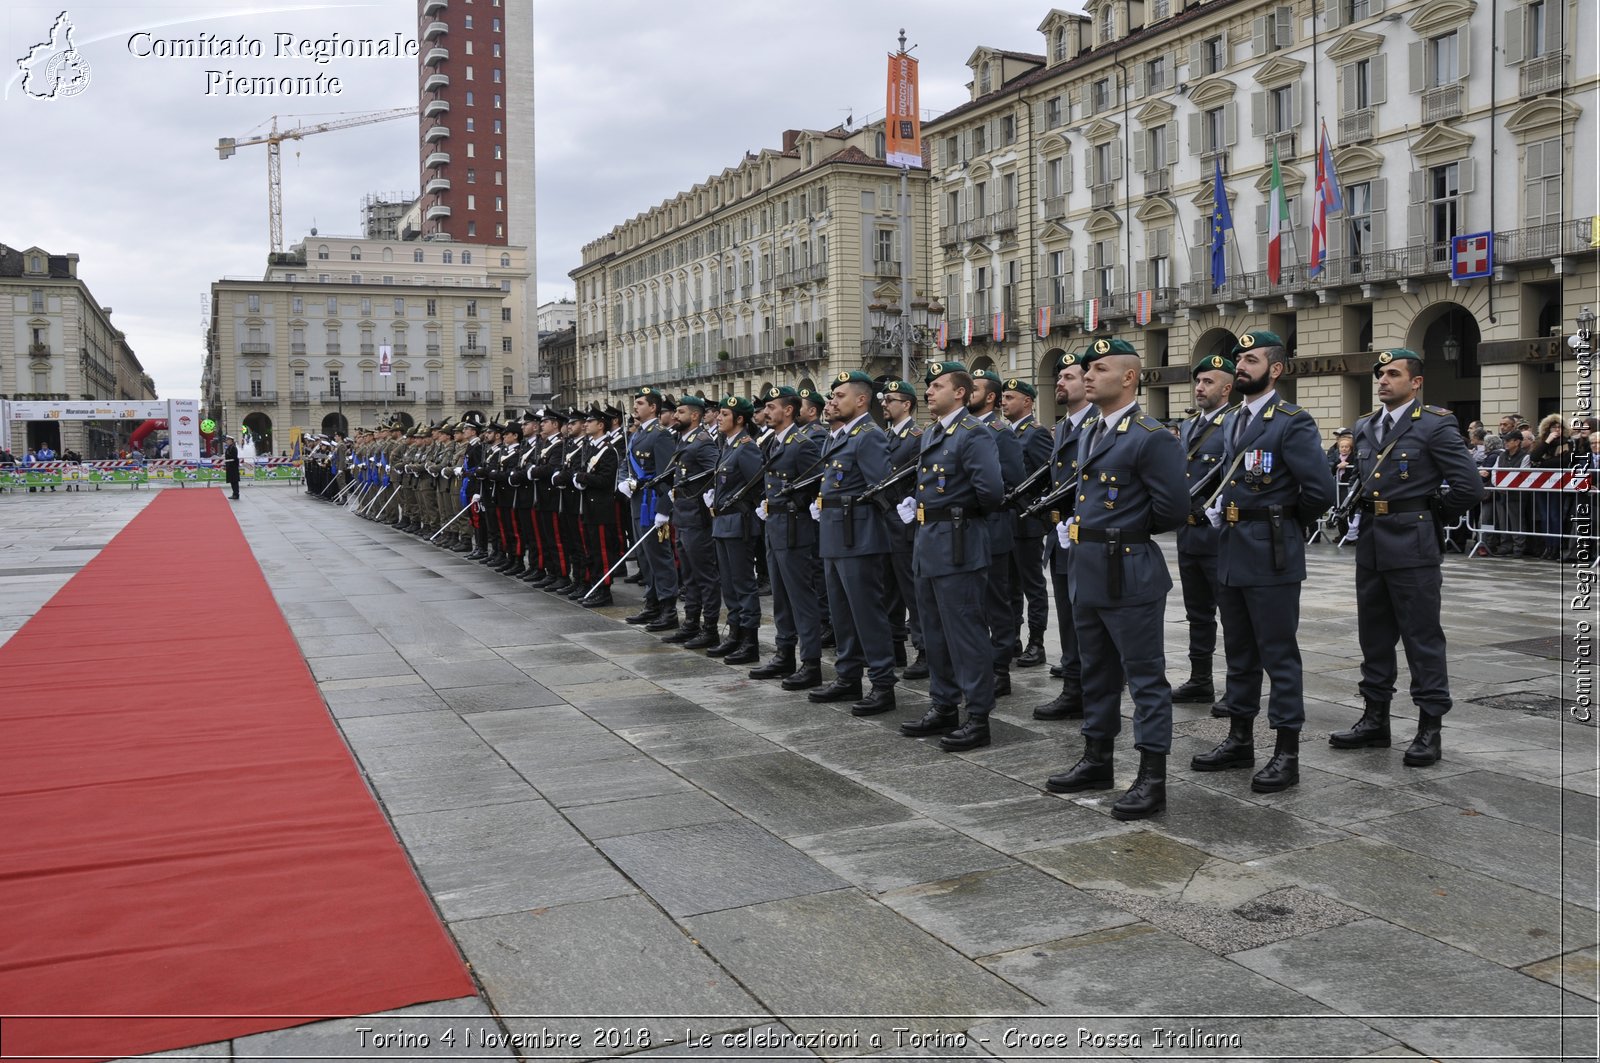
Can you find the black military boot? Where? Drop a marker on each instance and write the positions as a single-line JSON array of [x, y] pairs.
[[974, 734], [1067, 705], [651, 610], [690, 628], [781, 664], [1426, 748], [938, 720], [1198, 689], [1283, 770], [1238, 750], [534, 576], [1148, 794], [808, 677], [709, 636], [749, 649], [1033, 655], [838, 690], [1002, 684], [667, 620], [878, 700], [917, 669], [1371, 730], [598, 600], [1092, 772], [729, 644]]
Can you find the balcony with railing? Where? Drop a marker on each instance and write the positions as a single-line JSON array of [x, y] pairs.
[[436, 133], [474, 396], [887, 267], [1357, 127], [436, 56], [1285, 141], [369, 349], [438, 210], [332, 347], [1004, 221], [472, 350], [433, 350], [297, 349], [1571, 237], [437, 159], [1055, 207], [1157, 182], [256, 347], [816, 271], [300, 398], [433, 398], [976, 228], [256, 398], [398, 349], [1443, 102], [436, 107], [433, 6], [950, 235], [1545, 73], [435, 29], [1104, 195], [436, 83]]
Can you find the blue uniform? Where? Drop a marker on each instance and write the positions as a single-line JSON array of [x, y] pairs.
[[1278, 482], [697, 556], [958, 482], [733, 529], [853, 542], [1064, 470], [1130, 486], [1203, 445], [1002, 540], [905, 441], [792, 543], [649, 451], [1027, 554], [1398, 578]]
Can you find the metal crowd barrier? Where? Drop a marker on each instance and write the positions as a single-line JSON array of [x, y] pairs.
[[1524, 503], [206, 472]]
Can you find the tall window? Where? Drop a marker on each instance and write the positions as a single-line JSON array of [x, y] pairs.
[[1542, 184], [1358, 224], [884, 250], [1444, 59], [1281, 109], [1059, 45], [334, 387], [1008, 191], [1211, 59], [1533, 37], [1215, 129], [1059, 279], [1055, 177], [1052, 112], [1443, 207]]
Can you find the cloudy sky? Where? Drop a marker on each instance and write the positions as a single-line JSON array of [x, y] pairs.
[[635, 101]]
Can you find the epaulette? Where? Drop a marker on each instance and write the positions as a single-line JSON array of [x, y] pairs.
[[915, 432], [1289, 408], [1149, 424], [967, 422], [1439, 410]]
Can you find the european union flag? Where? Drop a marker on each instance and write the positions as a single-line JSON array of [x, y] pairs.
[[1221, 222]]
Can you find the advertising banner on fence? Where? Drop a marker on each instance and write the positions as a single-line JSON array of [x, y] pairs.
[[183, 422]]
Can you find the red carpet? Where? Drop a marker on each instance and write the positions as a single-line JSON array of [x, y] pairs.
[[187, 850]]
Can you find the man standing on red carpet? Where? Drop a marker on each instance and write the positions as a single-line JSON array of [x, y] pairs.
[[230, 465]]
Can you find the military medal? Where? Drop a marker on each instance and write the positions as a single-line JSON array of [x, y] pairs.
[[1111, 498], [1404, 471]]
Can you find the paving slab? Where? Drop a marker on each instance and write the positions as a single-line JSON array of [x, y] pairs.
[[711, 866], [617, 957], [1028, 823], [524, 694], [445, 1029], [609, 780], [1548, 808], [1436, 999], [677, 742], [790, 795], [950, 783], [1137, 862], [639, 815], [1577, 972], [505, 858], [986, 912], [823, 955], [895, 855]]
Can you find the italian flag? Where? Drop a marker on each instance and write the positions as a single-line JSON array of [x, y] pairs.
[[1277, 223]]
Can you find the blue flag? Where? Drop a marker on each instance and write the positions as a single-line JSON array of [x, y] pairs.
[[1221, 222]]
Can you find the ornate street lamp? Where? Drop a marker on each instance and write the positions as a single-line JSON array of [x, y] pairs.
[[1452, 350], [893, 327]]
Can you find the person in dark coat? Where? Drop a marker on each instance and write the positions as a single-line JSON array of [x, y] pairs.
[[230, 465]]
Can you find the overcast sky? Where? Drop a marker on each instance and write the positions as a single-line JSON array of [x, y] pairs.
[[635, 101]]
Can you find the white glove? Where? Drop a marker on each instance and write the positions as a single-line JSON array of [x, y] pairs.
[[708, 498], [625, 488], [816, 511], [476, 499], [1214, 514], [907, 510], [458, 470], [1064, 533], [761, 510], [662, 518]]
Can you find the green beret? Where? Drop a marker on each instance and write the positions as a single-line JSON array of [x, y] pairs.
[[902, 388], [693, 400], [1064, 359], [853, 376], [1023, 386], [939, 369], [1385, 357], [779, 391], [989, 375], [647, 392], [1259, 338], [1105, 347], [737, 404], [1216, 362], [816, 398]]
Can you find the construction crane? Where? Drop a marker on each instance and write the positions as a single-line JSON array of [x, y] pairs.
[[274, 139]]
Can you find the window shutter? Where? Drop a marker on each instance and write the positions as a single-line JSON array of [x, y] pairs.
[[1258, 36], [1258, 114], [1380, 79], [1163, 241], [1418, 57], [1555, 15], [1511, 39], [1297, 106], [1464, 48], [1261, 236], [1416, 209], [1141, 276], [1141, 154], [1172, 143], [1066, 168], [1195, 70], [1198, 262], [1196, 145], [1119, 280], [1071, 261], [1374, 7], [1140, 85], [1347, 88], [1116, 163], [1227, 50], [1332, 13], [1283, 26], [1466, 175], [1089, 173], [1230, 124]]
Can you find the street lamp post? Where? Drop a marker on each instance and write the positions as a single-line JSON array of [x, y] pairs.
[[914, 323]]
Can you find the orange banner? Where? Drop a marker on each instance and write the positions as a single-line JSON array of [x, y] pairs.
[[902, 122]]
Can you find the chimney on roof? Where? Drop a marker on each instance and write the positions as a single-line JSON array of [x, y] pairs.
[[791, 137]]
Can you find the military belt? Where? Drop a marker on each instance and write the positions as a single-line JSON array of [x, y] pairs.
[[846, 503], [958, 517], [1380, 507], [1081, 534], [1273, 516]]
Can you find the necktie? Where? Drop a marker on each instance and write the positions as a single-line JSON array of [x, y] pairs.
[[1098, 434], [1241, 425], [1385, 426]]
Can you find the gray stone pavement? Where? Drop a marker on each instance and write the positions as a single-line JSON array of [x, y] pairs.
[[634, 845]]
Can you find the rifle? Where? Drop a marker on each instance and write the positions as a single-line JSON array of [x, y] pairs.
[[889, 481], [1014, 495], [691, 483], [1203, 485], [1044, 502]]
